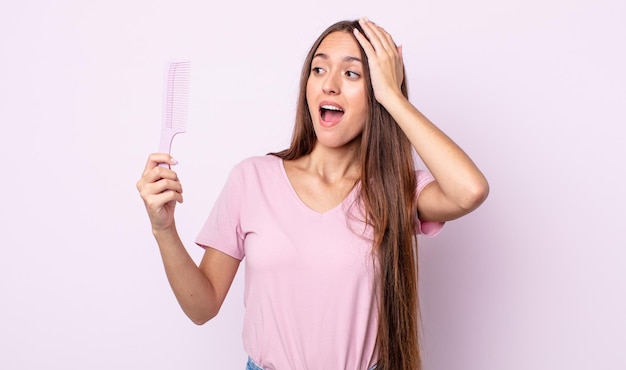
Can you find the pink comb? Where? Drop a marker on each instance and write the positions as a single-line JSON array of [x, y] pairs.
[[175, 103]]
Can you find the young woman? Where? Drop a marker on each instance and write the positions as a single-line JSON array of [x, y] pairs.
[[328, 226]]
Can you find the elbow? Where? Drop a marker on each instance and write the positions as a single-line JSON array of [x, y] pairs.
[[201, 318], [199, 321], [475, 195]]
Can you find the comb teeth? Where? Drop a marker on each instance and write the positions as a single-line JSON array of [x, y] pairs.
[[176, 99], [175, 103]]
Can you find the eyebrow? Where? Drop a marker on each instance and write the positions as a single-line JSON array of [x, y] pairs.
[[345, 59]]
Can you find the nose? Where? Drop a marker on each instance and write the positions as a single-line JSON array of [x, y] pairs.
[[331, 84]]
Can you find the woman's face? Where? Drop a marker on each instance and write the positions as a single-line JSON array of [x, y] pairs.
[[336, 91]]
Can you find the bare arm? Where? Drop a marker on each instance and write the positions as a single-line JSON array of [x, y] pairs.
[[200, 290], [460, 187]]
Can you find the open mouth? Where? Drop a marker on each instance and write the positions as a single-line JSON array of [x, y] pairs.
[[330, 113]]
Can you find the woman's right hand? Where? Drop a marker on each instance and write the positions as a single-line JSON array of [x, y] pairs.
[[160, 189]]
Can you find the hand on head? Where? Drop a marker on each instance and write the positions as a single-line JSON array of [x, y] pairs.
[[384, 58]]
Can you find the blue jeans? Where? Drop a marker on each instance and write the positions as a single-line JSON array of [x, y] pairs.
[[251, 365]]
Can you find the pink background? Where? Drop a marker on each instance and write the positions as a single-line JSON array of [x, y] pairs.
[[533, 90]]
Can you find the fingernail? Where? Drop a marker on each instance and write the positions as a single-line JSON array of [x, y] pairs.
[[173, 161]]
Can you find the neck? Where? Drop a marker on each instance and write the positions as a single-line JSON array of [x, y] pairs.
[[333, 164]]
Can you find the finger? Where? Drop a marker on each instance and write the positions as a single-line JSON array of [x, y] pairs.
[[167, 185], [155, 196], [165, 178], [400, 64], [155, 158], [157, 173], [365, 44], [368, 44], [387, 41], [157, 202], [372, 37], [161, 186], [380, 39]]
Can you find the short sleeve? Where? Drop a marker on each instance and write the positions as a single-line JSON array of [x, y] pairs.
[[427, 228], [222, 228]]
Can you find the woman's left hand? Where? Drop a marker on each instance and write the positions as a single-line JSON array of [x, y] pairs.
[[384, 57]]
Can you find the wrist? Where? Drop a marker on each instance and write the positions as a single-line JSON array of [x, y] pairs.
[[161, 232]]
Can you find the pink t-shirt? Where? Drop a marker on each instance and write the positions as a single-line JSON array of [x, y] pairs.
[[309, 295]]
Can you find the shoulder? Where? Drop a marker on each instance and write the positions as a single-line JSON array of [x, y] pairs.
[[254, 163], [256, 167]]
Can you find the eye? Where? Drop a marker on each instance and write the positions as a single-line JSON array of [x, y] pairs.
[[317, 70], [352, 75]]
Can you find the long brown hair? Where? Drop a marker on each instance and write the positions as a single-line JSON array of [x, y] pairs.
[[388, 195]]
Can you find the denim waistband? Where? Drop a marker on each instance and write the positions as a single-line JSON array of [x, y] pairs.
[[251, 365]]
